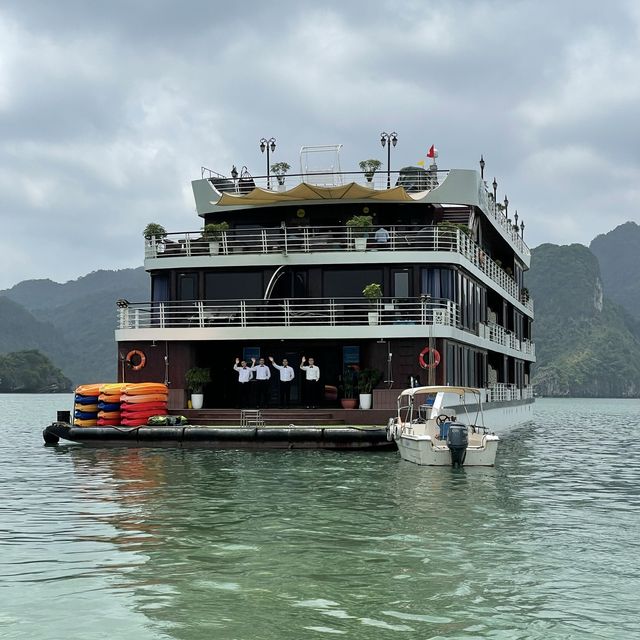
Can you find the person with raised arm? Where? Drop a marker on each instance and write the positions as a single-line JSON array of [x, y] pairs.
[[287, 375], [311, 387], [263, 382], [244, 378]]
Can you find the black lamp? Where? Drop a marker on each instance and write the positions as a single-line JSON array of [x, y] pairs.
[[269, 145], [481, 168], [392, 139]]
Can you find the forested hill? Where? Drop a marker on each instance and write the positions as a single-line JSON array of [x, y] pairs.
[[31, 372], [72, 323], [618, 253], [586, 345]]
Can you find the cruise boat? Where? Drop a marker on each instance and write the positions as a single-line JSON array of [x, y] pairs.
[[443, 426], [282, 271]]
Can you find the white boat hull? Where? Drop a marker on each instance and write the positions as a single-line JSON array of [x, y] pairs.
[[424, 451]]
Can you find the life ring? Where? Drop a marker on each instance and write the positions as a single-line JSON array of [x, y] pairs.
[[431, 365], [131, 355]]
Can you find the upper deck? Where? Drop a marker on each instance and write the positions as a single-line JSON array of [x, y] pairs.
[[216, 195]]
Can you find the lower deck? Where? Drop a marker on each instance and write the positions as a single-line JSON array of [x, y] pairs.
[[399, 363]]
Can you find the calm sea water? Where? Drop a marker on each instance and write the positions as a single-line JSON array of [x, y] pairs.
[[164, 543]]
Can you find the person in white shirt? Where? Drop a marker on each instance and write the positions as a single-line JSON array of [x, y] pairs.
[[311, 387], [244, 378], [382, 236], [263, 382], [287, 375]]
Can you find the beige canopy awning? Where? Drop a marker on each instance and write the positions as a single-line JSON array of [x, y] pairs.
[[304, 191]]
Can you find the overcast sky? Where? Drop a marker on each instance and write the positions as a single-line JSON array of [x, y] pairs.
[[109, 109]]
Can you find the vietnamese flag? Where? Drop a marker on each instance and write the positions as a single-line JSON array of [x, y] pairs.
[[433, 152]]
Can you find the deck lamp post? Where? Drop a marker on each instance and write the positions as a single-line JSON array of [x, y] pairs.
[[481, 168], [515, 221], [495, 191], [522, 229], [506, 206], [269, 145], [392, 139]]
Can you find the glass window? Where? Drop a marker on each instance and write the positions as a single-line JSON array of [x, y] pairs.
[[220, 285], [160, 288], [348, 283], [401, 284], [438, 283], [187, 286]]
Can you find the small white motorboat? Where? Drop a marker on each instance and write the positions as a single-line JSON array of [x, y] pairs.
[[442, 426]]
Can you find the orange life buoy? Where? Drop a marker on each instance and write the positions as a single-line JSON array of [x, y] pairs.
[[429, 365], [131, 355]]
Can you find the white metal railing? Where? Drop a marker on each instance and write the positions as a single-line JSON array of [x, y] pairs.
[[502, 391], [413, 181], [506, 225], [288, 312], [498, 334], [291, 240]]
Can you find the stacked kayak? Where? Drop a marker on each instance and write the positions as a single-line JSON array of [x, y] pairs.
[[138, 402], [85, 405], [109, 404]]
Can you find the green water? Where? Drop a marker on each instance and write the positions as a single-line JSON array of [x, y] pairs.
[[164, 543]]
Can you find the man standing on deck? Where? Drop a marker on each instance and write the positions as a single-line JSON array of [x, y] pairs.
[[263, 382], [287, 375], [311, 387], [244, 378]]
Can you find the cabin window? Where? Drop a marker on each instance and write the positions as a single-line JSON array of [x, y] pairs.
[[348, 283], [187, 286], [160, 288], [401, 283], [438, 283], [219, 285]]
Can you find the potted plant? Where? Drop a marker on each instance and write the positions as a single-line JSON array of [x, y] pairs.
[[213, 233], [373, 292], [348, 388], [155, 234], [360, 227], [369, 167], [367, 380], [195, 379], [279, 169]]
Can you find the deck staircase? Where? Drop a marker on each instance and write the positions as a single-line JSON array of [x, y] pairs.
[[457, 215]]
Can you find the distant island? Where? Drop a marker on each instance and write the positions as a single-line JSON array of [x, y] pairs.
[[31, 372]]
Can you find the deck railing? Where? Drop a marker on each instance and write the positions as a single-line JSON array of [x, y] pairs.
[[292, 240], [291, 312], [498, 334], [502, 391], [288, 312]]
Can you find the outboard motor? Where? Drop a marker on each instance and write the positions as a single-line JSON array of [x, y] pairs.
[[457, 441]]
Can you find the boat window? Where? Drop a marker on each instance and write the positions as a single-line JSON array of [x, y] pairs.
[[347, 283], [401, 283], [438, 283], [160, 288], [220, 285], [187, 286]]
